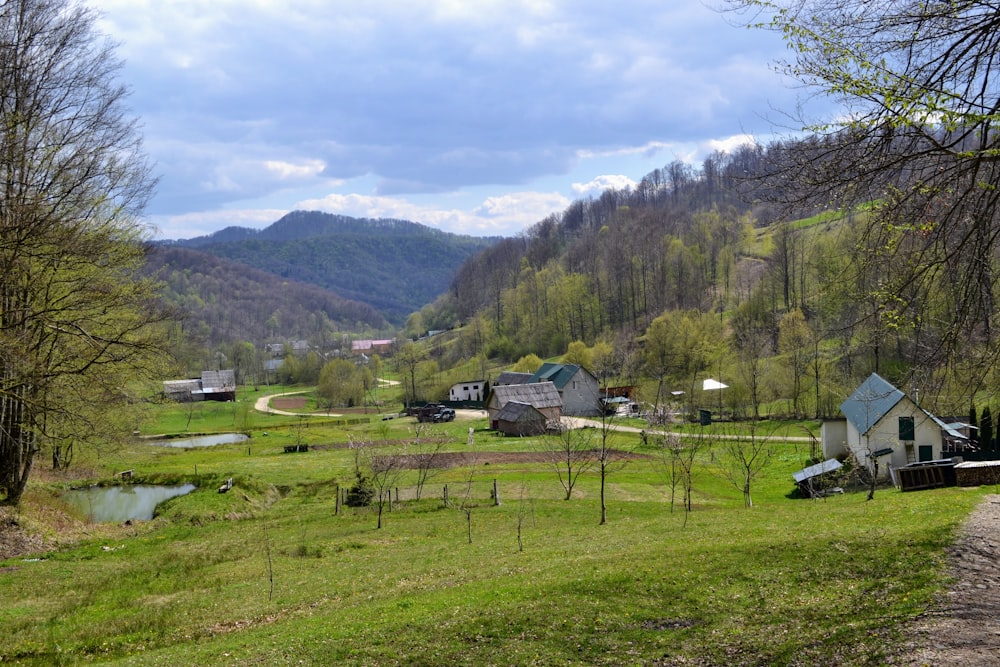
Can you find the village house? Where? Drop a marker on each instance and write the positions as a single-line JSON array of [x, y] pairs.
[[212, 386], [467, 391], [370, 347], [578, 388], [882, 423], [512, 377], [542, 396]]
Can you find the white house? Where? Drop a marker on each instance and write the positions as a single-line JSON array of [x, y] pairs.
[[881, 422], [467, 391]]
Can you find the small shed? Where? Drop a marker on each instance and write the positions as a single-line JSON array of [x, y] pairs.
[[520, 419], [543, 396], [810, 479]]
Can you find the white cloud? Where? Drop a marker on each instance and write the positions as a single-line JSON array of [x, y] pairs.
[[289, 171], [191, 225], [261, 103], [504, 215], [729, 144], [602, 183]]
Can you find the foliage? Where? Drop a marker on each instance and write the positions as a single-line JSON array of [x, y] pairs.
[[528, 364], [361, 493], [915, 144], [225, 301], [578, 353], [342, 383], [74, 316]]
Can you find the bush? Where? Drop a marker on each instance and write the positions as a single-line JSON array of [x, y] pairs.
[[361, 493]]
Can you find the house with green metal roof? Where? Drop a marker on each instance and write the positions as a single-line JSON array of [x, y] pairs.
[[881, 423], [579, 389]]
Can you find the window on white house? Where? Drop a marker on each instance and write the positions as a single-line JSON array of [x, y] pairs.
[[906, 429]]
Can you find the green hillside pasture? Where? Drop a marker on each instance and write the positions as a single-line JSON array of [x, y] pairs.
[[269, 573]]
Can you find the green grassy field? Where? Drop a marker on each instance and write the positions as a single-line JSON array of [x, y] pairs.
[[270, 573]]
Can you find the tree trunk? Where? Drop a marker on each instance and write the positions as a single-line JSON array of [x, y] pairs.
[[604, 504]]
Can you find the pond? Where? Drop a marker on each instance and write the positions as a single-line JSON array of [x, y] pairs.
[[203, 440], [121, 503]]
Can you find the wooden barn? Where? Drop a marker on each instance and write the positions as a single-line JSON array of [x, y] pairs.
[[543, 396], [520, 419]]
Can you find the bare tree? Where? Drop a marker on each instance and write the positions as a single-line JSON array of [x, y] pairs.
[[571, 454], [744, 459], [384, 467], [679, 458], [426, 455], [73, 181], [467, 503], [608, 458]]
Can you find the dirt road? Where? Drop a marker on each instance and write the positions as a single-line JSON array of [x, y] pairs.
[[964, 629]]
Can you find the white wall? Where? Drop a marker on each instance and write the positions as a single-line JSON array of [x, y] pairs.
[[885, 434]]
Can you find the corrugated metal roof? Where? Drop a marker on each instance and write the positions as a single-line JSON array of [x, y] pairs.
[[816, 470], [558, 374], [870, 402], [539, 394], [511, 377], [978, 464], [514, 411]]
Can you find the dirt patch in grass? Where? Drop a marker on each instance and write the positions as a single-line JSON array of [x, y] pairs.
[[288, 402], [964, 627]]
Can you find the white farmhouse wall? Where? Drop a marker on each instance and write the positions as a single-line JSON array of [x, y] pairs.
[[885, 435], [833, 435], [581, 396], [467, 391]]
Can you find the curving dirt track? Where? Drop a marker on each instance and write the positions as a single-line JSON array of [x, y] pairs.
[[965, 627]]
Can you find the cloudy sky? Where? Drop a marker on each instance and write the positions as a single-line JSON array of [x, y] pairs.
[[473, 116]]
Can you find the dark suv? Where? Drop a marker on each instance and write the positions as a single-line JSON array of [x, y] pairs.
[[444, 415]]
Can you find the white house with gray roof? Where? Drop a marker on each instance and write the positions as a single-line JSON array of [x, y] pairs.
[[882, 422]]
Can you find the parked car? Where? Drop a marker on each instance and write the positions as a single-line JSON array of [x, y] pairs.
[[444, 415]]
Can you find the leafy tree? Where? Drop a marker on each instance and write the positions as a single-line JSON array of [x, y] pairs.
[[527, 364], [578, 353], [679, 346], [75, 319], [341, 384], [794, 343]]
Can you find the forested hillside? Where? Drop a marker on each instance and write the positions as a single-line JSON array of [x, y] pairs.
[[394, 266], [223, 301], [690, 274]]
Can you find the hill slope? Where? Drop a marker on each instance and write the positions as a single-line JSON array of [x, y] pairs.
[[393, 265], [225, 301]]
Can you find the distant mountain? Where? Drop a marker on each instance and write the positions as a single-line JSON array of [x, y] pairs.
[[225, 301], [395, 266]]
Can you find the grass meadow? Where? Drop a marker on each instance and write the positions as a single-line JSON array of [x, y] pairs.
[[271, 573]]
